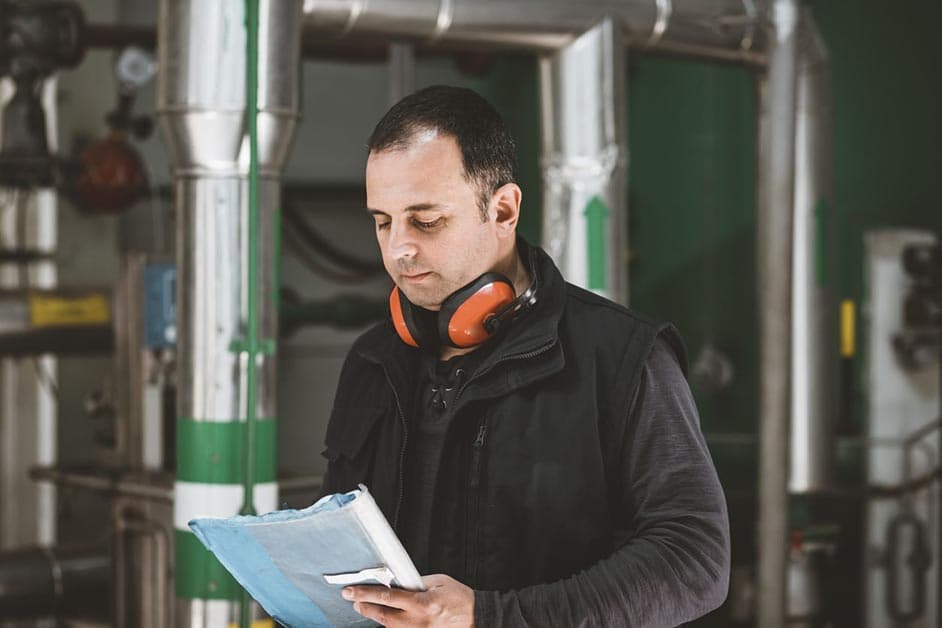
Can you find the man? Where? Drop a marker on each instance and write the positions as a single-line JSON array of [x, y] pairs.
[[553, 474]]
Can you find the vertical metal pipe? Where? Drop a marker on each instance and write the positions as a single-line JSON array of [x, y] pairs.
[[27, 508], [774, 251], [401, 71], [584, 161], [202, 101], [814, 316]]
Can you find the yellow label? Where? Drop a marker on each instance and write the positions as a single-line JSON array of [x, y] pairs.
[[54, 311], [258, 623], [848, 331]]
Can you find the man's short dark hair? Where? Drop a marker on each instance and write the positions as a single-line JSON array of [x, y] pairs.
[[487, 148]]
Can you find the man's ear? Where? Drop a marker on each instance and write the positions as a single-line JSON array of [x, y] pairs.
[[505, 202]]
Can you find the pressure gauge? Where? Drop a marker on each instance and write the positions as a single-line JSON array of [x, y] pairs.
[[134, 68]]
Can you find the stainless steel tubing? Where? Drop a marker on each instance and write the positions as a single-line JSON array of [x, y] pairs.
[[814, 317], [776, 187], [210, 284], [543, 24]]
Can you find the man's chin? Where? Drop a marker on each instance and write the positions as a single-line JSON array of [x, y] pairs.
[[423, 300]]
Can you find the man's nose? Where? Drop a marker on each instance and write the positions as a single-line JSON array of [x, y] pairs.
[[401, 242]]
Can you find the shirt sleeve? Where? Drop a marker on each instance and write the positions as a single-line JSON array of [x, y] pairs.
[[674, 564]]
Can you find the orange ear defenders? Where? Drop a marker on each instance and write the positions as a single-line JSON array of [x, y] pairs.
[[468, 316]]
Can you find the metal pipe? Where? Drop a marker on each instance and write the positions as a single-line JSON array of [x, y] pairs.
[[585, 152], [401, 71], [541, 24], [156, 490], [814, 315], [201, 100], [776, 187], [46, 582], [148, 590]]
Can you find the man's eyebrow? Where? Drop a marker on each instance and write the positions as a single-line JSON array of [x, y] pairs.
[[418, 207]]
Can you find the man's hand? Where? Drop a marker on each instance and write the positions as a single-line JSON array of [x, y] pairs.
[[445, 602]]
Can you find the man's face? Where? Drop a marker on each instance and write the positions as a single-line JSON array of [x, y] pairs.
[[428, 220]]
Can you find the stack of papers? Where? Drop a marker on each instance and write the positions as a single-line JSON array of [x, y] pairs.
[[296, 562]]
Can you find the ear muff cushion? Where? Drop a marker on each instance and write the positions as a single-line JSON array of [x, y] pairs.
[[461, 321], [401, 315], [415, 325]]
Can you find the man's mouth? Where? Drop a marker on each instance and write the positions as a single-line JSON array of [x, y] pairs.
[[416, 276]]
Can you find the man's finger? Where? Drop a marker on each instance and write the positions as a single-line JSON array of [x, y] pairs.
[[383, 596], [384, 615]]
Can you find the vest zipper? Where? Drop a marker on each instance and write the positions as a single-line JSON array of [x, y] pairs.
[[472, 544], [481, 434], [402, 451], [472, 537], [477, 446]]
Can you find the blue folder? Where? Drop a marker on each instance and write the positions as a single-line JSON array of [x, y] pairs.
[[296, 562]]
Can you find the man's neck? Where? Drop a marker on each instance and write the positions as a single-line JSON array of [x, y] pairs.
[[516, 271]]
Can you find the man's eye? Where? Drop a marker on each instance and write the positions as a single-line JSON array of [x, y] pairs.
[[427, 225], [382, 225]]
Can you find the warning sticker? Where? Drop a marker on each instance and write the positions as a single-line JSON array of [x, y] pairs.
[[57, 311]]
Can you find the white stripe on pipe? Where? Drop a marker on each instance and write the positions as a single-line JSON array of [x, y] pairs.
[[196, 499]]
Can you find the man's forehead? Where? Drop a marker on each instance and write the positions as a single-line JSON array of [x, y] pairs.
[[421, 142]]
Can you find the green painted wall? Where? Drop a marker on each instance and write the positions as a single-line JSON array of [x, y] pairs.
[[692, 204]]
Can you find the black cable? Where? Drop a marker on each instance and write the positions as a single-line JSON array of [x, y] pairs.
[[23, 256], [303, 254], [322, 245], [46, 379]]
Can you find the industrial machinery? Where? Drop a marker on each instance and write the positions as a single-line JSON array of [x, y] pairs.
[[192, 331], [36, 39], [902, 551]]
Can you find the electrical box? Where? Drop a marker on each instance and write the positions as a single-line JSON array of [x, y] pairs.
[[160, 306]]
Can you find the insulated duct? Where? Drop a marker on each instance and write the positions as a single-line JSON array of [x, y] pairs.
[[585, 153], [704, 25], [201, 101]]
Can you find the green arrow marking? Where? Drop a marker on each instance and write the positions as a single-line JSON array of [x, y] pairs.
[[596, 213]]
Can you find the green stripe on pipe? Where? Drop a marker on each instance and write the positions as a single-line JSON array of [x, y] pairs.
[[212, 452], [199, 576], [596, 213]]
